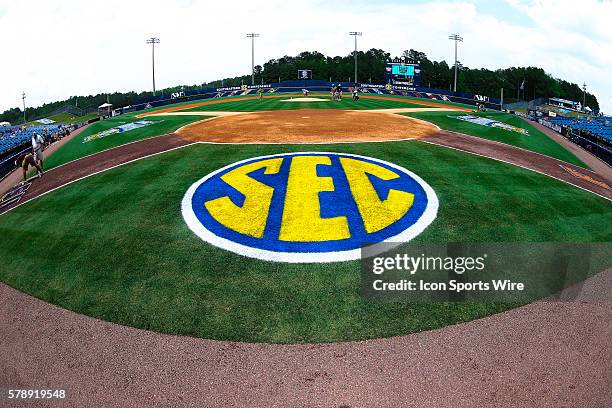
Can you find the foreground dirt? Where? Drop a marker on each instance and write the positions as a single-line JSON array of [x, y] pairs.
[[547, 354], [307, 126]]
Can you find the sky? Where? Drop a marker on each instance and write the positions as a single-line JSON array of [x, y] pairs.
[[55, 49]]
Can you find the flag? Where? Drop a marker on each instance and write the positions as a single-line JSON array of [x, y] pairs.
[[523, 85]]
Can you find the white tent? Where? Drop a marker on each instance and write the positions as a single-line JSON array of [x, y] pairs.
[[105, 109]]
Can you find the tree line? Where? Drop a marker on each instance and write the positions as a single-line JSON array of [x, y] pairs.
[[535, 82]]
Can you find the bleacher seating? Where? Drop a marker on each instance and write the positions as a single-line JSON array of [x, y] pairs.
[[14, 136], [599, 126]]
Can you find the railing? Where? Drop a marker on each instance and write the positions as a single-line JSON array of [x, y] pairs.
[[576, 136], [7, 164], [592, 147]]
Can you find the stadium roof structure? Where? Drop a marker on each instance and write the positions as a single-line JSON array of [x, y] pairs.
[[563, 101]]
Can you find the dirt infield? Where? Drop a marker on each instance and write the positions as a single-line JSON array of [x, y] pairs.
[[307, 126]]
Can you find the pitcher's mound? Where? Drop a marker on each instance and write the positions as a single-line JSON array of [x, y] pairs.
[[307, 126]]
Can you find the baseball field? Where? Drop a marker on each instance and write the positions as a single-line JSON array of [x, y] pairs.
[[117, 245], [219, 249]]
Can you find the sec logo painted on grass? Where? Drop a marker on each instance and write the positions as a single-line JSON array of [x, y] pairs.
[[308, 207]]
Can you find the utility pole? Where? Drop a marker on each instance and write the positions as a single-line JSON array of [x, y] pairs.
[[252, 36], [355, 34], [501, 104], [457, 38], [153, 41], [23, 96]]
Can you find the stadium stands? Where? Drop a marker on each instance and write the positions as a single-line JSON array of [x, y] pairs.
[[593, 133], [599, 126], [12, 137], [14, 140]]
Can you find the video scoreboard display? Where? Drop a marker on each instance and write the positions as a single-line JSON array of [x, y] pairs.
[[399, 72], [402, 70]]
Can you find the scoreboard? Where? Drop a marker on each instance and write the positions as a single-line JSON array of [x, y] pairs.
[[398, 72]]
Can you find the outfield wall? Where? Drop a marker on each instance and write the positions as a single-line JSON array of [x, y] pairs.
[[313, 86]]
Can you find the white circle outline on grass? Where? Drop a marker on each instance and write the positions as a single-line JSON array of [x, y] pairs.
[[194, 224]]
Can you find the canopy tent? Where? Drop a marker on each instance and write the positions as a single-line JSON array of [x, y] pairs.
[[105, 109]]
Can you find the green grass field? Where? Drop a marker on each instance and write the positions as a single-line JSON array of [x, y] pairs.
[[116, 247], [76, 149], [252, 105], [536, 141], [69, 118], [66, 118]]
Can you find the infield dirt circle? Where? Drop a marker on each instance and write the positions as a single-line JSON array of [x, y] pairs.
[[307, 126]]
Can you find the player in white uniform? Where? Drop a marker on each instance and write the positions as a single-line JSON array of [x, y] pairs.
[[37, 147]]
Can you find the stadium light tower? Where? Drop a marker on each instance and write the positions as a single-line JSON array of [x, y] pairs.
[[457, 38], [252, 36], [23, 99], [355, 34], [584, 85], [153, 41]]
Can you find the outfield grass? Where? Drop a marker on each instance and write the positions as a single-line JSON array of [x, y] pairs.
[[66, 118], [252, 105], [61, 118], [76, 149], [115, 246], [536, 141]]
